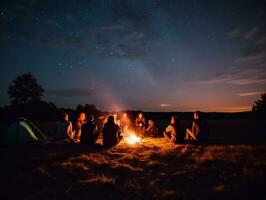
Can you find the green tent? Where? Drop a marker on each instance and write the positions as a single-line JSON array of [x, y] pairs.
[[19, 132]]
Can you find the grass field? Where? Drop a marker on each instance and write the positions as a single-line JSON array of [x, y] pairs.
[[231, 166]]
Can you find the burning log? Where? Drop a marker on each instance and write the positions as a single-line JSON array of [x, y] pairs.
[[132, 138]]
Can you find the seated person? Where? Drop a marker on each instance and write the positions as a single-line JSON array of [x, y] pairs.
[[152, 129], [140, 124], [89, 131], [79, 123], [173, 133], [125, 123], [63, 128], [111, 133], [200, 129]]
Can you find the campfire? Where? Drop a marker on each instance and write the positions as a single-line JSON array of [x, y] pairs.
[[132, 138]]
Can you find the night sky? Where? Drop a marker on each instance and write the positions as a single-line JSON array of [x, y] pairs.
[[151, 55]]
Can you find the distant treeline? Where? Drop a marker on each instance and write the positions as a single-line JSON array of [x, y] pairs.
[[206, 115], [42, 110], [49, 111]]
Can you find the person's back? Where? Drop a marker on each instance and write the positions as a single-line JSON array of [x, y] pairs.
[[63, 128], [111, 133], [152, 129], [201, 129], [89, 133]]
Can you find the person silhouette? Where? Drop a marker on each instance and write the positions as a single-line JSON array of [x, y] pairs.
[[200, 129], [79, 123], [152, 130], [89, 131], [140, 124], [111, 132], [63, 129]]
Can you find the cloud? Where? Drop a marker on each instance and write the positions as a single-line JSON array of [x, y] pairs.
[[165, 105], [249, 34], [261, 13], [234, 32], [261, 40], [114, 28], [242, 108], [238, 77], [70, 92], [118, 40], [246, 81], [71, 18], [56, 41], [246, 94], [252, 54]]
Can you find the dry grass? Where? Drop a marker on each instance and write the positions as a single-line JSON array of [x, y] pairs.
[[151, 170]]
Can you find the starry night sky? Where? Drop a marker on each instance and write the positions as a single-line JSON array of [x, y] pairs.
[[152, 55]]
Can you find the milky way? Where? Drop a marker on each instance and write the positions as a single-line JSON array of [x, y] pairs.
[[149, 55]]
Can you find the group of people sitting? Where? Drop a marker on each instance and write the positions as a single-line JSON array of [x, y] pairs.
[[175, 132], [199, 132], [86, 131]]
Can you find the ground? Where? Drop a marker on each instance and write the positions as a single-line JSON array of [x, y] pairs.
[[153, 169]]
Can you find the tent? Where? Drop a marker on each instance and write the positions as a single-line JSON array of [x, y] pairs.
[[20, 132]]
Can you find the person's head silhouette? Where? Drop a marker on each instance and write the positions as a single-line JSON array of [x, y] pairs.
[[64, 117], [197, 115], [111, 119], [90, 118], [125, 115], [173, 120]]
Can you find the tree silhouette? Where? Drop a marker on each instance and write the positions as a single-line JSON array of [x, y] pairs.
[[25, 89], [260, 105], [89, 108]]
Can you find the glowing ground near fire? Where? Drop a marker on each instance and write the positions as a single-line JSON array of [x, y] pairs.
[[152, 169]]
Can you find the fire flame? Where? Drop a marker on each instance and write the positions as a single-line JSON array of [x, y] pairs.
[[131, 138]]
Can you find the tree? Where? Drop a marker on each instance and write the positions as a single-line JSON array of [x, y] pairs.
[[260, 105], [89, 108], [25, 89]]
